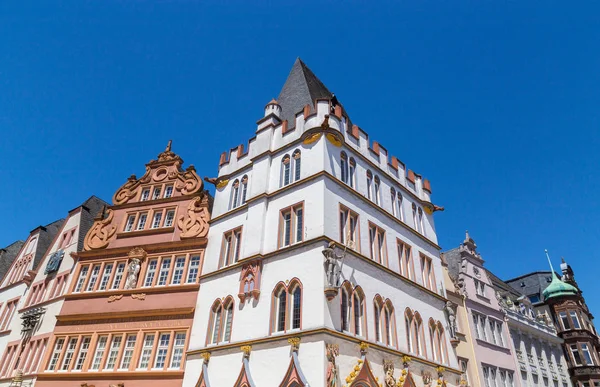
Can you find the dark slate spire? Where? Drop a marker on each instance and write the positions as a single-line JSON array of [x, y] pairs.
[[301, 88]]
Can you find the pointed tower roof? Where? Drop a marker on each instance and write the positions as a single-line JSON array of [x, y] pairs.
[[557, 288], [301, 88]]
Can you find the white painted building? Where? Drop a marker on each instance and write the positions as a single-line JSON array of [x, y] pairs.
[[263, 318], [32, 292]]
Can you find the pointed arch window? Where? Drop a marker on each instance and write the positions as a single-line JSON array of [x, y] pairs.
[[385, 322], [414, 216], [221, 320], [353, 310], [286, 166], [421, 224], [414, 332], [358, 309], [235, 190], [438, 341], [352, 173], [344, 168], [346, 307], [378, 306], [393, 202], [399, 207], [369, 185], [286, 307], [407, 267], [244, 189], [296, 156], [376, 190]]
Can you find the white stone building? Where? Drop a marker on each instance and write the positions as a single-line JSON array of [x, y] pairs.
[[32, 293], [271, 312]]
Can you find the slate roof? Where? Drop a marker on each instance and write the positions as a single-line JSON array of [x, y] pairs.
[[531, 284], [502, 287], [301, 88], [453, 259], [89, 209], [46, 237], [8, 255]]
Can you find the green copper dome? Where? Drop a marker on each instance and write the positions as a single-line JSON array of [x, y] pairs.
[[557, 288]]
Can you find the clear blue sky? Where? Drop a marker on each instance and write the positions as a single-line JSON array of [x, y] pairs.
[[495, 102]]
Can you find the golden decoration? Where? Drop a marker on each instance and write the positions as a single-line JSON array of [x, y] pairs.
[[222, 183], [205, 356], [246, 349], [428, 210], [114, 298], [333, 139], [294, 342], [140, 296], [101, 232], [312, 138], [195, 224], [406, 359], [364, 347]]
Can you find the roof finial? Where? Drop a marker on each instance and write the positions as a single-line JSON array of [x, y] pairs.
[[562, 259], [549, 262], [168, 149], [467, 234]]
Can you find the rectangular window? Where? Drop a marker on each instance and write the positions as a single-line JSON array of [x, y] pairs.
[[156, 193], [576, 355], [118, 276], [93, 278], [7, 314], [146, 351], [169, 218], [377, 244], [168, 191], [178, 349], [130, 223], [427, 272], [128, 352], [406, 263], [142, 221], [230, 252], [178, 271], [99, 353], [192, 276], [145, 194], [69, 353], [161, 351], [493, 331], [586, 354], [105, 276], [150, 272], [575, 319], [291, 226], [165, 265], [349, 228], [113, 352], [83, 350], [82, 277], [565, 320], [58, 347], [156, 220]]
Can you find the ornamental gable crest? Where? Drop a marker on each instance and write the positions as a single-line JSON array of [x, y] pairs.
[[54, 262], [165, 169]]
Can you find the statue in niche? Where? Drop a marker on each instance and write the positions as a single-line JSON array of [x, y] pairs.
[[388, 367], [332, 271], [133, 270], [451, 314], [332, 351]]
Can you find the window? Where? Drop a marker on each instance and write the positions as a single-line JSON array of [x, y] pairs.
[[352, 173], [479, 326], [244, 189], [344, 173], [81, 279], [479, 288], [66, 238], [576, 355], [565, 320], [178, 271], [58, 346], [169, 218], [291, 227], [235, 190], [575, 319], [156, 219], [192, 276], [7, 314], [69, 354], [487, 377], [130, 223], [427, 273], [285, 170], [421, 224], [118, 275], [376, 191], [99, 354], [161, 351], [297, 164], [377, 244], [496, 331], [230, 250], [178, 349], [83, 350], [400, 208], [586, 354], [142, 221], [156, 193], [369, 185], [145, 194], [385, 325], [128, 352], [93, 278], [345, 308], [113, 352], [407, 268], [393, 202], [464, 367], [150, 272], [220, 321], [163, 274], [287, 307], [349, 228], [146, 351], [168, 191], [414, 332]]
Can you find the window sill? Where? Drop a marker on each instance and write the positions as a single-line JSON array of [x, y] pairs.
[[5, 332], [483, 297], [481, 341], [152, 231]]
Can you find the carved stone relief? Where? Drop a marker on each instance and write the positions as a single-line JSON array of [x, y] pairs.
[[195, 222]]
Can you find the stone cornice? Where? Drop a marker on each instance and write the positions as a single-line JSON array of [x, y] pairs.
[[184, 244]]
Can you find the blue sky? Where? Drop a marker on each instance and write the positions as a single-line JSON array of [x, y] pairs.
[[495, 102]]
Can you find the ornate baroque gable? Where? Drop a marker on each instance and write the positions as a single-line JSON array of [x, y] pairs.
[[165, 169]]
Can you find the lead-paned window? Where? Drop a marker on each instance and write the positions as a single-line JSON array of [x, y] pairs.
[[58, 347], [118, 275], [142, 221], [151, 272], [165, 265], [115, 345], [169, 218], [178, 349], [83, 350], [105, 276], [168, 191], [130, 222], [178, 271], [99, 352], [156, 219], [161, 351], [146, 351], [93, 278], [193, 269], [156, 193], [128, 352], [81, 279], [291, 226], [69, 353]]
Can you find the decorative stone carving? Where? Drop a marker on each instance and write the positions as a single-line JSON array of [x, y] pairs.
[[114, 298], [250, 281], [54, 262], [295, 343], [205, 356], [333, 271], [101, 231], [195, 223], [427, 379], [388, 368], [246, 349], [188, 182], [332, 351], [133, 270], [139, 296]]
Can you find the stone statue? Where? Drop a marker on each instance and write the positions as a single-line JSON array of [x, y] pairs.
[[332, 350], [133, 270], [388, 366], [501, 301], [331, 268], [451, 312]]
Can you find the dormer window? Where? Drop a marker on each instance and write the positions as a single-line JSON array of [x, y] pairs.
[[145, 194], [168, 191], [156, 193], [142, 221]]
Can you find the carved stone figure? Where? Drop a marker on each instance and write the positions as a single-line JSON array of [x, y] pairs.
[[195, 224], [331, 267], [101, 231], [133, 270], [451, 314], [332, 351], [388, 367]]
